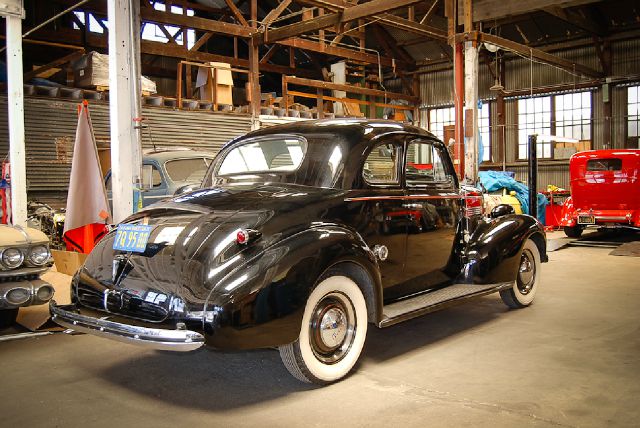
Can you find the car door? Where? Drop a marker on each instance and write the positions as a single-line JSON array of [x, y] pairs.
[[375, 210], [154, 184], [433, 205]]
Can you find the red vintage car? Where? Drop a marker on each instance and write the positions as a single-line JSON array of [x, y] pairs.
[[605, 191]]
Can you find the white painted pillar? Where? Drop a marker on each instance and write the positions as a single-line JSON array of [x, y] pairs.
[[122, 111], [16, 120], [470, 112]]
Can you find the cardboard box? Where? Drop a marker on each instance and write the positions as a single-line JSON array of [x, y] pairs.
[[583, 145], [37, 317], [68, 262], [563, 152], [223, 91]]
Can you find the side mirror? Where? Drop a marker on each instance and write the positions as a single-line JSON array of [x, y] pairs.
[[502, 209]]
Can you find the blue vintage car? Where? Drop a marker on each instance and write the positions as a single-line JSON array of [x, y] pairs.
[[165, 171]]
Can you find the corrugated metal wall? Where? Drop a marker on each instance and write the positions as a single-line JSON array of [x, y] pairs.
[[436, 88], [50, 126]]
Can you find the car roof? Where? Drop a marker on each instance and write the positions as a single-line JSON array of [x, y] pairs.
[[363, 128], [163, 155]]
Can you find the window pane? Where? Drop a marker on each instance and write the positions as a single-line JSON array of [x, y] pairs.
[[380, 166]]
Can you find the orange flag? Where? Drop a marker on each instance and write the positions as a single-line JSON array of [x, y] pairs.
[[88, 211]]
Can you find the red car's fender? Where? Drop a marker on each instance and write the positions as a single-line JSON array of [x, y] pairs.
[[568, 216]]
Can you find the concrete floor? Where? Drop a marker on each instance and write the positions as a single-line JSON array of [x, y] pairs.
[[571, 359]]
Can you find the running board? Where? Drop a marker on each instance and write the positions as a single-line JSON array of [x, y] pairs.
[[422, 304]]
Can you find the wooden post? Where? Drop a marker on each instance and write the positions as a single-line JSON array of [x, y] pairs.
[[188, 91], [179, 86], [214, 88], [254, 64], [285, 95], [320, 103]]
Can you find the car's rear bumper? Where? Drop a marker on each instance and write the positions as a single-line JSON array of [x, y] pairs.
[[153, 338]]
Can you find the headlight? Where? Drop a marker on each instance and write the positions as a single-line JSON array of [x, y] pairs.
[[39, 255], [18, 296], [12, 258]]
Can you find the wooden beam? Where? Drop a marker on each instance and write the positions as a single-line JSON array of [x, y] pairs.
[[533, 53], [70, 57], [275, 12], [485, 10], [319, 84], [386, 41], [267, 56], [236, 12], [384, 18], [346, 15], [582, 19], [201, 41], [339, 52]]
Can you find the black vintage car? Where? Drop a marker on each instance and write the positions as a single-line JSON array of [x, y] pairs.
[[300, 237]]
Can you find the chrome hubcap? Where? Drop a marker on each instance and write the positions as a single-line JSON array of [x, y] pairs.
[[332, 328], [526, 272]]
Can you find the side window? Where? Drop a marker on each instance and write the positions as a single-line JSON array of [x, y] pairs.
[[151, 178], [381, 166], [108, 183], [424, 165]]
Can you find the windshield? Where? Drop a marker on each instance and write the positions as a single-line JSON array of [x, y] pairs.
[[191, 169], [312, 160]]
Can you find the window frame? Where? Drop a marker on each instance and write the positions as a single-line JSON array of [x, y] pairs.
[[450, 182]]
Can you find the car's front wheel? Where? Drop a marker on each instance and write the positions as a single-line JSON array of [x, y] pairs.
[[527, 280], [334, 327]]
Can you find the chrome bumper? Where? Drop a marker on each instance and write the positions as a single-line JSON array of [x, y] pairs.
[[153, 338]]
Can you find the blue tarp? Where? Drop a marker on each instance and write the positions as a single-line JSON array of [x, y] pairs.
[[497, 180]]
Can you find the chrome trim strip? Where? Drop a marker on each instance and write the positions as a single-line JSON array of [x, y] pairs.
[[152, 338]]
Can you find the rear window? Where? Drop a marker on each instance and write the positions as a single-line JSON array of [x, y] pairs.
[[604, 165], [192, 169], [264, 155]]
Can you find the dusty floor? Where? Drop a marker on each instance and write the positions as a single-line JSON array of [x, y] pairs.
[[571, 359]]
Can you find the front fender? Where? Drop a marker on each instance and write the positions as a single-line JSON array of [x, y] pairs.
[[261, 303], [493, 251]]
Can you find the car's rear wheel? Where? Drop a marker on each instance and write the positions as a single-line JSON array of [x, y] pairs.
[[527, 280], [334, 327], [8, 317], [573, 231]]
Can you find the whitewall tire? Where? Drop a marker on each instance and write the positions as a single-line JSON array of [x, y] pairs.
[[527, 278], [334, 328]]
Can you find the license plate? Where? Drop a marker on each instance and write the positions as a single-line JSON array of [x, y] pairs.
[[132, 237], [586, 219]]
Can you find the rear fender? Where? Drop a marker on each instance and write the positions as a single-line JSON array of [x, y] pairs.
[[261, 303], [568, 215], [493, 252]]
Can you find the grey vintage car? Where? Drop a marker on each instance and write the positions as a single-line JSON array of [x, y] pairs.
[[24, 256]]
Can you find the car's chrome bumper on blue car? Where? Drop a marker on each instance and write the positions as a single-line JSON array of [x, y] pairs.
[[154, 338]]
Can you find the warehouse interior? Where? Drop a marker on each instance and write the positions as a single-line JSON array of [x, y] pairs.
[[168, 77]]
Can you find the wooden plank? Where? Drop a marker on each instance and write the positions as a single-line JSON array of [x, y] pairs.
[[534, 53], [70, 57], [349, 100], [348, 88], [236, 12], [325, 21]]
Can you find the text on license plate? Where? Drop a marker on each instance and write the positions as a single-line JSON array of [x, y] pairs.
[[586, 219], [132, 237]]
